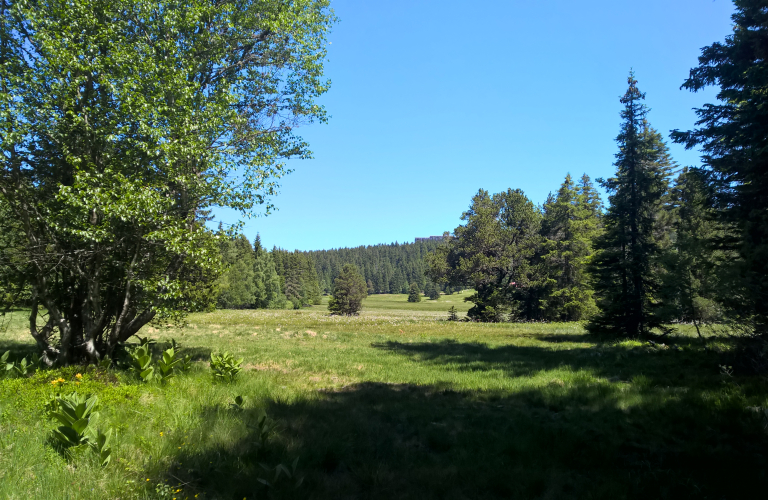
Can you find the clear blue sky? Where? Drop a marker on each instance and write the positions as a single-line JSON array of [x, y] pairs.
[[432, 100]]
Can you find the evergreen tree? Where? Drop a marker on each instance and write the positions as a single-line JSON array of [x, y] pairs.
[[432, 291], [349, 290], [626, 266], [733, 135], [267, 292], [414, 295], [695, 267], [237, 284], [570, 225], [493, 252]]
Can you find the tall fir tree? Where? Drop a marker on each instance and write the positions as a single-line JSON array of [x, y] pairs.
[[733, 135], [626, 267], [571, 222]]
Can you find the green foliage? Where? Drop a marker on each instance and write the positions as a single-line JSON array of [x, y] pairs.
[[105, 363], [432, 290], [237, 285], [6, 366], [120, 129], [570, 225], [281, 471], [168, 364], [267, 291], [349, 290], [298, 277], [452, 316], [499, 230], [20, 368], [628, 265], [238, 403], [225, 367], [77, 415], [263, 430], [733, 136], [414, 294], [140, 362], [389, 268]]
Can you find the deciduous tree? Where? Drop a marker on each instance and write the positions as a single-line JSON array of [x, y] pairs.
[[122, 123]]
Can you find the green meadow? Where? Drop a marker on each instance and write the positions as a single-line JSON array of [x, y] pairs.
[[398, 403]]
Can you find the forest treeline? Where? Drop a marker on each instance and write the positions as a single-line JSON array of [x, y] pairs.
[[259, 278]]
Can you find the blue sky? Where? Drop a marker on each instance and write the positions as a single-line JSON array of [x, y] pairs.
[[432, 100]]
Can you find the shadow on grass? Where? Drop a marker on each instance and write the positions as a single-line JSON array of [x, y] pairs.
[[384, 441], [664, 366]]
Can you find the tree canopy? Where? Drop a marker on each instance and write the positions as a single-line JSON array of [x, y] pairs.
[[122, 123]]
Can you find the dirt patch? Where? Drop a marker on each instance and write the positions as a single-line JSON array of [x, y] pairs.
[[311, 333]]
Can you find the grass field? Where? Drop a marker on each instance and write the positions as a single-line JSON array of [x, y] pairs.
[[399, 403]]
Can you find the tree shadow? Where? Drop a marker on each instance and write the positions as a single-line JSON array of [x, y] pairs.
[[663, 365], [383, 441]]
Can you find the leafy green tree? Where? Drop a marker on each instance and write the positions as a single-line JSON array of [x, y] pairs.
[[571, 222], [733, 135], [237, 283], [122, 124], [414, 294], [349, 290], [494, 253], [627, 268]]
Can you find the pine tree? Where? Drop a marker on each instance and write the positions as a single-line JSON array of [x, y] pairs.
[[414, 295], [349, 290], [236, 285], [432, 290], [733, 135], [626, 266], [493, 252], [695, 271], [570, 224]]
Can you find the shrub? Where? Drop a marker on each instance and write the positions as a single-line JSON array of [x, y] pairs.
[[225, 367], [77, 414]]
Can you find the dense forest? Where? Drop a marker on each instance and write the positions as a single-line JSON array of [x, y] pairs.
[[256, 277]]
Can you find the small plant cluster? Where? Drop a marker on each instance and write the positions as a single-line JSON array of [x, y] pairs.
[[77, 414], [169, 364], [225, 367], [20, 368]]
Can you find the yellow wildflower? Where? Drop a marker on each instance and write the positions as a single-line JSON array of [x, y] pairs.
[[78, 376]]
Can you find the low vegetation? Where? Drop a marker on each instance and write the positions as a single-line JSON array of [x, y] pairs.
[[397, 402]]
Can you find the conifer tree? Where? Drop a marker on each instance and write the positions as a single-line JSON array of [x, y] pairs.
[[237, 284], [494, 253], [733, 135], [695, 268], [414, 295], [349, 290], [570, 225], [626, 266]]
